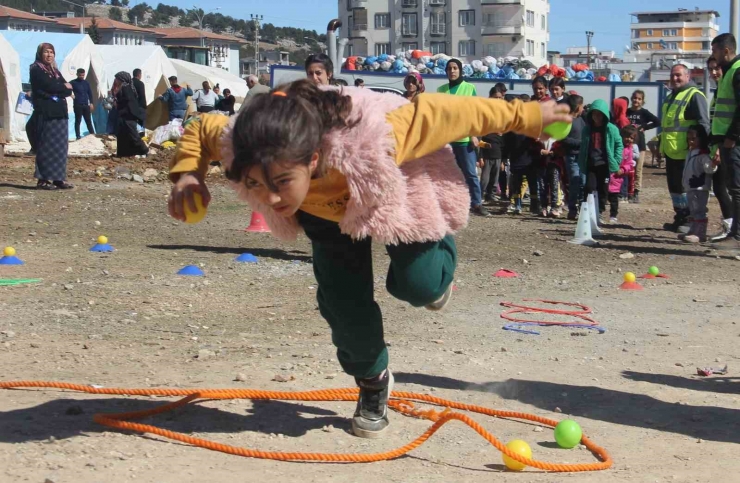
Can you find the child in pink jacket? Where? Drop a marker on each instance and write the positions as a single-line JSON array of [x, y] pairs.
[[630, 155]]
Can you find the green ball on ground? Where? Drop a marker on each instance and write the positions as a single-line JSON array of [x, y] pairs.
[[654, 271], [568, 434]]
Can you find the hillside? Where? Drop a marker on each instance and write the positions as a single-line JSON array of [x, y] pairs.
[[288, 38]]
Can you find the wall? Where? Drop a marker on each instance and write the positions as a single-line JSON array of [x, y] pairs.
[[27, 25]]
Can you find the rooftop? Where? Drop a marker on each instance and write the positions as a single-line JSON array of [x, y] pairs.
[[670, 12], [102, 23], [192, 33], [7, 12]]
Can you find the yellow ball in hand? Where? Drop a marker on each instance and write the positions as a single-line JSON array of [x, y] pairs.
[[9, 251], [629, 277], [200, 210], [102, 239], [522, 449]]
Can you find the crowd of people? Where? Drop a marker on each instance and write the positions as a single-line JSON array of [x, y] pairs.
[[126, 103]]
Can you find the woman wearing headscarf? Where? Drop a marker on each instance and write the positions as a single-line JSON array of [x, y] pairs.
[[130, 115], [414, 85], [49, 95]]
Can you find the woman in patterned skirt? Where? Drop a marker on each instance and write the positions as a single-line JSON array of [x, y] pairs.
[[49, 94]]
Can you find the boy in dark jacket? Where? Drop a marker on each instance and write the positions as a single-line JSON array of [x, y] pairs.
[[522, 153], [601, 151], [572, 147], [491, 154]]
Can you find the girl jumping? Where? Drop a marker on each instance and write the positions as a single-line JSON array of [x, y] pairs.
[[349, 167]]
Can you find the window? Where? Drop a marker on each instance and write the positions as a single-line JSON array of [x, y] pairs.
[[672, 46], [410, 3], [543, 19], [497, 50], [666, 32], [467, 17], [674, 33], [649, 32], [436, 3], [438, 48], [381, 49], [530, 47], [650, 45], [466, 48], [438, 21], [360, 19], [706, 46], [635, 34], [530, 18], [408, 24], [543, 52], [382, 20], [410, 46]]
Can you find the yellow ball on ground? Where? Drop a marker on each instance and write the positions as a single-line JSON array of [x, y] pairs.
[[629, 277], [200, 210], [521, 448], [9, 251], [102, 239]]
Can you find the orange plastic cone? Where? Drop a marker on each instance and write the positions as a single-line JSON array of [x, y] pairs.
[[258, 224], [631, 286]]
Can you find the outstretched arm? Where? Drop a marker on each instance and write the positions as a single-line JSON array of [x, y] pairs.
[[434, 120]]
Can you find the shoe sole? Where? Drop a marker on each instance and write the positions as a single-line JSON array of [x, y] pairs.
[[434, 307], [366, 433]]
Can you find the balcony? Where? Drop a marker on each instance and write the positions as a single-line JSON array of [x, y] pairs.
[[359, 27], [502, 28], [352, 4], [502, 2]]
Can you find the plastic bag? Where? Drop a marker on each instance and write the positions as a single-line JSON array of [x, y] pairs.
[[171, 131]]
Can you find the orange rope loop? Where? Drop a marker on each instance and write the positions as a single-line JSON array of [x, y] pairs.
[[401, 402]]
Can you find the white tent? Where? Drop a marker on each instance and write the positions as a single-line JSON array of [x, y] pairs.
[[73, 51], [155, 66], [195, 74], [11, 123]]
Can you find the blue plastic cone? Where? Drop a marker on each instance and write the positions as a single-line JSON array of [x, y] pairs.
[[192, 271], [11, 260], [102, 247], [246, 258]]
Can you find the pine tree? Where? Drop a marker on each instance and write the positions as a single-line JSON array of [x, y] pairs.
[[93, 31]]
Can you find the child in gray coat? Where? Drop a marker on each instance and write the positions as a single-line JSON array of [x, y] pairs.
[[697, 181]]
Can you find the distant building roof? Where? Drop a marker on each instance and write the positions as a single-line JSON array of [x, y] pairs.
[[102, 23], [7, 12], [192, 33], [663, 12]]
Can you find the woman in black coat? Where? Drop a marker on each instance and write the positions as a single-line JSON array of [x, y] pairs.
[[130, 115], [49, 92]]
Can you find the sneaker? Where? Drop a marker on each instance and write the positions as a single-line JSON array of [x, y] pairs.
[[730, 243], [684, 229], [556, 213], [693, 239], [371, 416], [510, 210], [672, 226], [480, 210], [517, 210], [543, 213], [726, 225], [636, 198], [440, 303], [613, 220]]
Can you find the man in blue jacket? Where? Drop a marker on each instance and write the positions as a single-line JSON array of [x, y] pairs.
[[82, 102], [176, 98]]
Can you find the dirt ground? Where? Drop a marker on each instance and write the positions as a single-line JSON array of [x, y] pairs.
[[126, 319]]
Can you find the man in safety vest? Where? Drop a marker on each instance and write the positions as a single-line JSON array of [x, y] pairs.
[[686, 106], [726, 129], [465, 149]]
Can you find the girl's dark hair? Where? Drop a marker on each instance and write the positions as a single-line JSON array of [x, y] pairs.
[[574, 102], [639, 91], [322, 59], [498, 88], [539, 80], [227, 91], [628, 130], [525, 97], [712, 59], [702, 135], [557, 82], [286, 128]]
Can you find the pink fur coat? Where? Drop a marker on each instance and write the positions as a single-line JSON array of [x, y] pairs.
[[421, 200]]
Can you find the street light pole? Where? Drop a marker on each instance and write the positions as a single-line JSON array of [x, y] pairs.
[[256, 19], [82, 25], [734, 12], [589, 36], [196, 11]]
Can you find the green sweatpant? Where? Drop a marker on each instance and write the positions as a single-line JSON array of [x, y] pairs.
[[419, 274]]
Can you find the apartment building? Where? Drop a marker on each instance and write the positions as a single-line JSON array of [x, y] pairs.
[[678, 34], [467, 29]]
